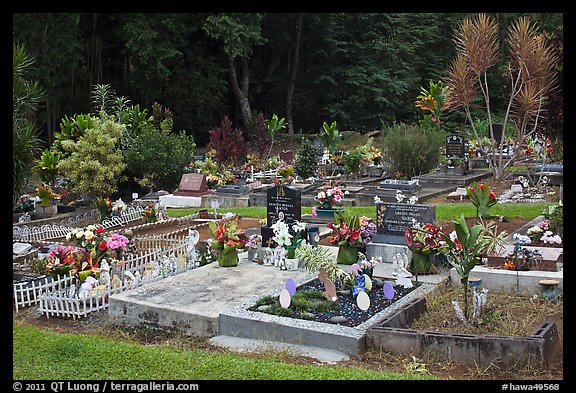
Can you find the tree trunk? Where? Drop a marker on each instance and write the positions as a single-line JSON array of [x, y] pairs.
[[241, 90], [292, 80]]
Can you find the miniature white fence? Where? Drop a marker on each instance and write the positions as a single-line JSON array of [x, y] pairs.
[[61, 300], [26, 234]]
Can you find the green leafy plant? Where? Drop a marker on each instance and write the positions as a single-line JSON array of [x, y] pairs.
[[274, 126], [316, 258], [482, 197], [306, 160], [48, 165], [464, 250], [330, 136]]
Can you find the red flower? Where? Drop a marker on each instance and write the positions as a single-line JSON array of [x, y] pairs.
[[102, 246], [492, 195], [482, 186], [99, 230]]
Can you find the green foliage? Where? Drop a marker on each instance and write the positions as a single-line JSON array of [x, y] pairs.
[[464, 252], [274, 126], [482, 197], [48, 165], [306, 159], [71, 129], [316, 258], [330, 136], [238, 32], [411, 151], [159, 157], [95, 164], [26, 97]]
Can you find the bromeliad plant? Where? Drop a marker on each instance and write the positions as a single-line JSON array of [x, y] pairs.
[[424, 241], [482, 197], [465, 247], [347, 235]]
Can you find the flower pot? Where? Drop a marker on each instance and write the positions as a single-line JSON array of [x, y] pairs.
[[327, 213], [420, 264], [292, 263], [314, 236], [45, 211], [228, 258], [347, 255]]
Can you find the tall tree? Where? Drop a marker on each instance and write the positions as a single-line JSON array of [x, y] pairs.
[[239, 33]]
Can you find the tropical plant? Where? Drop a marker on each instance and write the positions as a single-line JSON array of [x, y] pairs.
[[95, 165], [26, 98], [274, 126], [482, 197], [465, 246], [316, 258], [47, 166], [228, 143], [531, 71], [433, 100], [330, 136]]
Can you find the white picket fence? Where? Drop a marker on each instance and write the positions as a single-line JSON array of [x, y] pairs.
[[24, 233], [60, 298]]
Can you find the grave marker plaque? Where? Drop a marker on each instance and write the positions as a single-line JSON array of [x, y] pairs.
[[392, 220], [284, 203], [454, 146], [192, 184]]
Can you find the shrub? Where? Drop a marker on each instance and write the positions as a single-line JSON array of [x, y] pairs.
[[411, 151], [306, 160]]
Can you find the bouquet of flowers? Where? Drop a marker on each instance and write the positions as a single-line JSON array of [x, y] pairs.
[[328, 196], [104, 206], [282, 235], [226, 234], [45, 194], [367, 229], [346, 230]]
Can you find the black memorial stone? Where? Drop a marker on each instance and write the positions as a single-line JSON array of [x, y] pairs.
[[455, 146], [392, 220], [282, 203]]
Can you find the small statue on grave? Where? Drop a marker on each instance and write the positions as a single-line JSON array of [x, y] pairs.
[[191, 241], [104, 273], [280, 254], [268, 257]]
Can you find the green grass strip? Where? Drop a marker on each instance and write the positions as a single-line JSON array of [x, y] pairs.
[[41, 354], [445, 211]]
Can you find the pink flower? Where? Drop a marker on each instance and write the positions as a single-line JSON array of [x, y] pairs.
[[434, 120]]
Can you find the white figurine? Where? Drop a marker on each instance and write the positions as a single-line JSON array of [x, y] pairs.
[[268, 257], [104, 273]]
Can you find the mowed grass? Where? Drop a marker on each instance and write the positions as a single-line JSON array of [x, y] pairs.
[[45, 355], [444, 211]]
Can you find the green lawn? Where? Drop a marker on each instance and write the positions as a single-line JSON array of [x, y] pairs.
[[445, 211], [40, 354]]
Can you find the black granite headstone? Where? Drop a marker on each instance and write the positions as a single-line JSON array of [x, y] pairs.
[[392, 220], [454, 146], [282, 202]]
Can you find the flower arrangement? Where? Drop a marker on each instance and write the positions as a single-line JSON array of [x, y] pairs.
[[328, 196], [118, 206], [104, 206], [149, 214], [425, 239], [367, 229], [346, 230], [282, 235], [286, 174], [93, 240], [226, 234], [45, 194], [482, 197]]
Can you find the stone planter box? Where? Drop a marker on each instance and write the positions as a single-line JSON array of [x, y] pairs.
[[392, 334]]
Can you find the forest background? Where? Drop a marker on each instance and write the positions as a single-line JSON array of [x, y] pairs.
[[362, 70]]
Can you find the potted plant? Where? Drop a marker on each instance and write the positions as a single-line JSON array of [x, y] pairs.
[[424, 241], [347, 235], [227, 239], [45, 205], [326, 198]]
